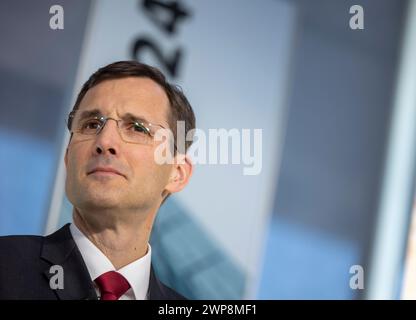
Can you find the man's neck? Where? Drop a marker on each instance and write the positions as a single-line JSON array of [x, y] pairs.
[[121, 241]]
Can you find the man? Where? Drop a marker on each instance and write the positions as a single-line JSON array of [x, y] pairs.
[[116, 186]]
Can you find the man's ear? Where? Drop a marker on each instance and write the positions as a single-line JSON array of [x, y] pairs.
[[181, 173]]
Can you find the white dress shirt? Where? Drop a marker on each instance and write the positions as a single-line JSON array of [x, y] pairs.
[[137, 272]]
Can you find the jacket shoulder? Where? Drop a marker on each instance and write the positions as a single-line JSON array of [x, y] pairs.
[[19, 252], [16, 245], [159, 291], [171, 294]]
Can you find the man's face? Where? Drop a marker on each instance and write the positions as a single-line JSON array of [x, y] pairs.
[[141, 181]]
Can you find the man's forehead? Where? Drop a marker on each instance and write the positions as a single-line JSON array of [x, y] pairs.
[[135, 95]]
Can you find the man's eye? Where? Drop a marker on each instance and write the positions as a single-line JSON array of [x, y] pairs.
[[137, 127], [92, 124]]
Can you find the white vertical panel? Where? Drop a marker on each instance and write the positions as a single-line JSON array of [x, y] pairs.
[[396, 195]]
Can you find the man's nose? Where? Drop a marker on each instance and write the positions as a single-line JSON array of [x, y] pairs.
[[108, 139]]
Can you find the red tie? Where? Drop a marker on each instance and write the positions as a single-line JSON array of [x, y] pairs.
[[112, 285]]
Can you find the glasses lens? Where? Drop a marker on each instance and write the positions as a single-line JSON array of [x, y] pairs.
[[90, 126], [136, 132]]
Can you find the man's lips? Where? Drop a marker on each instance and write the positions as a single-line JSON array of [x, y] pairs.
[[105, 170]]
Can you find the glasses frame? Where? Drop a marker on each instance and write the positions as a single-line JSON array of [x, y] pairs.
[[104, 119]]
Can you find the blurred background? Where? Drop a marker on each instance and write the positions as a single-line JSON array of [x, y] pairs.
[[337, 107]]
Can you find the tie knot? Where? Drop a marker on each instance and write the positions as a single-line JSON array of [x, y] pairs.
[[112, 285]]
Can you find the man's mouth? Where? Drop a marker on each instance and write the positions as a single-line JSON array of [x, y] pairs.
[[105, 171]]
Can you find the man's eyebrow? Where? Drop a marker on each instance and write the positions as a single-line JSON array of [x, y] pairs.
[[127, 116], [130, 116], [90, 113]]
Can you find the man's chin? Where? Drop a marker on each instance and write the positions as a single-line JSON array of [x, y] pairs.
[[99, 200]]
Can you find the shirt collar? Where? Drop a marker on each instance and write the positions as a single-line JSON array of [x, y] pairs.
[[137, 272]]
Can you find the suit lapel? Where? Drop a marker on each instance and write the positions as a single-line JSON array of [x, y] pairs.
[[60, 249]]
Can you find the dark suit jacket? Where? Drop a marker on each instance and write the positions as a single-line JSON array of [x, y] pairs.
[[25, 263]]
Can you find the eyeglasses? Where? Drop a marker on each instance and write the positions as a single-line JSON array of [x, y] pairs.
[[130, 130]]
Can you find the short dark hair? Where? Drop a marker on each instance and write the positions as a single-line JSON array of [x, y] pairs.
[[180, 108]]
